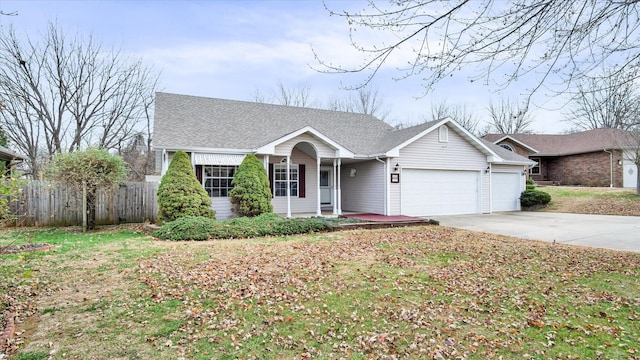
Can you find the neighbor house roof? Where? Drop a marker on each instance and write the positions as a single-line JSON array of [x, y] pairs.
[[567, 144], [6, 154]]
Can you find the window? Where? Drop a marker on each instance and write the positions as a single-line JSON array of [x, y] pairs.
[[280, 179], [535, 170], [508, 147], [443, 134], [217, 179]]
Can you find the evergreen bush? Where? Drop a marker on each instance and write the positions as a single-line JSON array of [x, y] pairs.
[[180, 193], [534, 198], [270, 224], [251, 194]]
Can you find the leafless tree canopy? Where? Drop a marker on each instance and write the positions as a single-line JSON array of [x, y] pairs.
[[61, 94], [509, 117], [285, 95], [363, 101], [458, 112], [503, 40], [606, 102]]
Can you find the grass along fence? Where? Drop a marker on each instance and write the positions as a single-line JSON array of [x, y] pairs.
[[43, 203]]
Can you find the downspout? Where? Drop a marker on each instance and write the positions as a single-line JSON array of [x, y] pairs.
[[611, 164], [386, 185]]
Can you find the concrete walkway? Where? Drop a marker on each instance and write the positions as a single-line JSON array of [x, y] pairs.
[[601, 231]]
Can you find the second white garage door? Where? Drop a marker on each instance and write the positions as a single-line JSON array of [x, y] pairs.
[[505, 191], [439, 192]]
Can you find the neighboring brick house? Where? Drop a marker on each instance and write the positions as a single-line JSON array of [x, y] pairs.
[[588, 158]]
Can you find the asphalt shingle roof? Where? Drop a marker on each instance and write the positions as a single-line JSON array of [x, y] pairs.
[[199, 122], [568, 144], [188, 122]]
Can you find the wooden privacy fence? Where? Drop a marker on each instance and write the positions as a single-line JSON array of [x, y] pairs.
[[42, 203]]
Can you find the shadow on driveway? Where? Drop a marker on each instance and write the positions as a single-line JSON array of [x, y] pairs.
[[601, 231]]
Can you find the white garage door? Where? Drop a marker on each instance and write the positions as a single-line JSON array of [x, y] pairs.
[[439, 192], [505, 191]]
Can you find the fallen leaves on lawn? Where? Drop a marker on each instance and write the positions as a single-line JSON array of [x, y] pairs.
[[425, 292]]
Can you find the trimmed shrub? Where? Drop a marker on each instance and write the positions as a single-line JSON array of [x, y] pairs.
[[270, 224], [532, 198], [187, 228], [180, 193], [251, 194]]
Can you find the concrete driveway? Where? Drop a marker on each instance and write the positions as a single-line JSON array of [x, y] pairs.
[[601, 231]]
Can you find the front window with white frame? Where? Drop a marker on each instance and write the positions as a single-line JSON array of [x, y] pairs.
[[280, 179], [217, 179], [535, 170]]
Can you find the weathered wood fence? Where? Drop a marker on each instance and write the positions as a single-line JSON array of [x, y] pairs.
[[43, 203]]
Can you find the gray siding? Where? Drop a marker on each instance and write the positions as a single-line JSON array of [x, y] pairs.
[[365, 192], [222, 206], [308, 204]]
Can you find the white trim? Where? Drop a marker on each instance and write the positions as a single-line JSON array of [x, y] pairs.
[[319, 206], [527, 147], [270, 148], [395, 152], [216, 159]]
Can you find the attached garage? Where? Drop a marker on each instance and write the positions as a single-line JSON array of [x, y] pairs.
[[505, 191], [439, 192]]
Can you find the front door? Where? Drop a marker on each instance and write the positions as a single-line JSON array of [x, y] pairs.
[[325, 187]]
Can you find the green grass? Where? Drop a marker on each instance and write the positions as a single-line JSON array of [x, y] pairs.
[[408, 293], [582, 192]]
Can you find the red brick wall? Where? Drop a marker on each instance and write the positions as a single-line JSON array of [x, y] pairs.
[[590, 169]]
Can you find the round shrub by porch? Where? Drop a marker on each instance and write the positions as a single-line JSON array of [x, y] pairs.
[[180, 193], [534, 198], [251, 194]]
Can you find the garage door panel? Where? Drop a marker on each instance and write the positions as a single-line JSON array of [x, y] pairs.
[[439, 192], [505, 191]]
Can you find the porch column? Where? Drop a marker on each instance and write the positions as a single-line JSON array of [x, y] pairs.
[[288, 186], [334, 193], [319, 208], [339, 200], [265, 163]]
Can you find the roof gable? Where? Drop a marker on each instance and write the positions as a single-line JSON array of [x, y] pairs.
[[270, 147]]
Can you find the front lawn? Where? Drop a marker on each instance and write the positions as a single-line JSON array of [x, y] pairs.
[[592, 200], [419, 292]]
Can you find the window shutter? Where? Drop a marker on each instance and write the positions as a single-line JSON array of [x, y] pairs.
[[271, 178], [301, 181], [199, 173]]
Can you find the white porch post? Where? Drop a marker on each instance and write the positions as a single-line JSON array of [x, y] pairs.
[[265, 163], [288, 187], [319, 208], [339, 200], [334, 193]]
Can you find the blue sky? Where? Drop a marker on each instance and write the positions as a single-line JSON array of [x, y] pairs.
[[230, 49]]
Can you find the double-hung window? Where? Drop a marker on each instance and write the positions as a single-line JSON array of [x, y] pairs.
[[280, 179], [217, 179]]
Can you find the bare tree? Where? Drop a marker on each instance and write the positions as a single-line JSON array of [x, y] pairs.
[[503, 41], [606, 102], [363, 101], [459, 112], [509, 117], [285, 95], [64, 94]]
